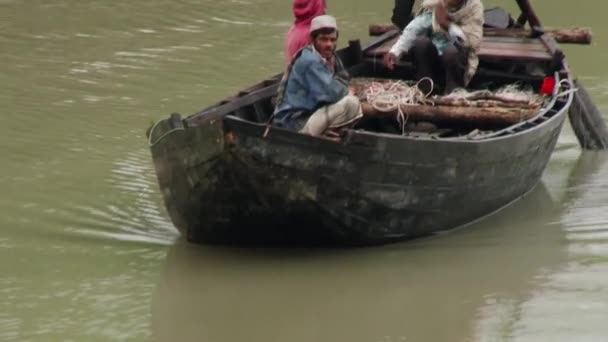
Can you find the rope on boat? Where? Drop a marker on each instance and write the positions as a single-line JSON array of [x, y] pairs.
[[386, 97], [511, 92], [565, 92], [395, 96]]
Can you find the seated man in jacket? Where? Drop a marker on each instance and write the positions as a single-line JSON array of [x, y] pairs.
[[443, 41], [313, 96]]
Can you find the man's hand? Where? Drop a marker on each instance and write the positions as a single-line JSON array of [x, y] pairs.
[[441, 14], [390, 60], [333, 135]]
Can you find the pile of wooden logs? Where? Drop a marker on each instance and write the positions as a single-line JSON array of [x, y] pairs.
[[481, 108]]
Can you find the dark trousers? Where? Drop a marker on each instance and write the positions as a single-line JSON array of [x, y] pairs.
[[402, 13], [447, 70]]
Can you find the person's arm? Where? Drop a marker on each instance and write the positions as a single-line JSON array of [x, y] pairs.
[[457, 34], [416, 27]]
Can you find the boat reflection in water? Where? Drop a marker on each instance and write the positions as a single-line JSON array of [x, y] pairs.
[[576, 290], [433, 289]]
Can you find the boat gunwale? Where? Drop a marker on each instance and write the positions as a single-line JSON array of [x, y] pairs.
[[496, 136]]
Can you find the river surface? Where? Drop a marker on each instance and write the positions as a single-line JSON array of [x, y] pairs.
[[87, 252]]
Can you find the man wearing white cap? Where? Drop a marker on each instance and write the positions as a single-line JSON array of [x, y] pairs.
[[313, 96]]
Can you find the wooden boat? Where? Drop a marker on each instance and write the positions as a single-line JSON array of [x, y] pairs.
[[225, 181]]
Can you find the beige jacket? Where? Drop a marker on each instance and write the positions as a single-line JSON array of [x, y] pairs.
[[469, 18]]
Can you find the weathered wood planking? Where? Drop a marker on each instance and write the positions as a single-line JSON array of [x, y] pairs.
[[493, 47]]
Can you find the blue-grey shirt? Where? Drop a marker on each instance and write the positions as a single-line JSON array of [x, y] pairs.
[[309, 85]]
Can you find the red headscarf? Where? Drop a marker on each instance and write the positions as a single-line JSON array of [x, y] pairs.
[[298, 35]]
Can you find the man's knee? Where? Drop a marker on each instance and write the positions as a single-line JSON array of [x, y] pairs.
[[351, 101], [423, 43], [423, 50], [451, 56]]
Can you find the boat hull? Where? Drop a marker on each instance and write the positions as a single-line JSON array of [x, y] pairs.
[[223, 182]]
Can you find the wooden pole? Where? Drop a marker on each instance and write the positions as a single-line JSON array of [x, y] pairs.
[[528, 11]]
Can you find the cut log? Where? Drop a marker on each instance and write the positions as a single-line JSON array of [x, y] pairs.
[[575, 35], [579, 35], [380, 29], [482, 116]]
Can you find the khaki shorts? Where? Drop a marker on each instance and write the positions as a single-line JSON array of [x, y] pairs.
[[339, 114]]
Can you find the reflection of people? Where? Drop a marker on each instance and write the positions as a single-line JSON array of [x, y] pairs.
[[445, 36], [402, 13], [298, 35], [313, 96]]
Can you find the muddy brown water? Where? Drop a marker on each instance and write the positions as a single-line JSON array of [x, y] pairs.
[[87, 252]]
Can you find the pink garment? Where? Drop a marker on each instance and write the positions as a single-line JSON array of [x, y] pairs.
[[298, 35]]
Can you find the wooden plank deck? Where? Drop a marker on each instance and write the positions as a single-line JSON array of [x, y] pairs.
[[492, 48]]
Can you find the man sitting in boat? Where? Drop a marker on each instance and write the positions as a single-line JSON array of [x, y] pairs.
[[313, 96], [443, 41]]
